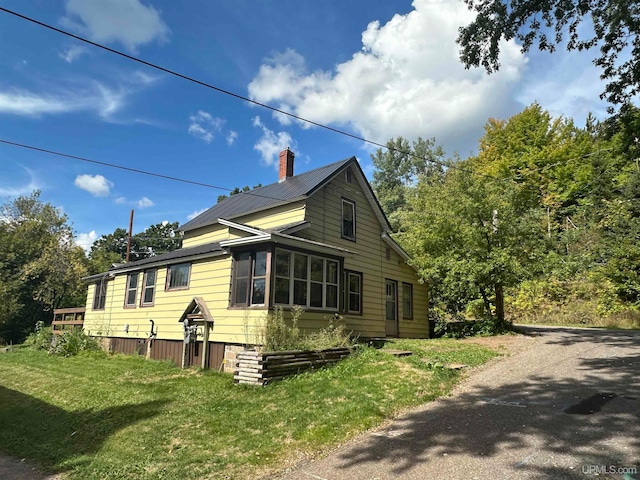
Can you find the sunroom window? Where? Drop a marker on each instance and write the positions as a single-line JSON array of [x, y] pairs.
[[249, 278], [306, 280]]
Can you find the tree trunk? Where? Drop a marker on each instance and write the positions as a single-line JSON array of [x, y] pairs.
[[499, 302], [485, 299]]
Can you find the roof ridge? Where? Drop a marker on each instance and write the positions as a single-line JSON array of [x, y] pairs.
[[308, 172], [292, 189]]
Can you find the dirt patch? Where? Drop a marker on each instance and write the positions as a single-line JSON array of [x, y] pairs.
[[15, 469], [508, 344]]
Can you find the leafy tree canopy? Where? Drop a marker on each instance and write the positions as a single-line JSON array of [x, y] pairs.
[[238, 190], [40, 266], [112, 248], [615, 25]]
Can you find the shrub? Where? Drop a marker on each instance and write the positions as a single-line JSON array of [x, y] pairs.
[[461, 328], [277, 335], [41, 339], [332, 336], [73, 342]]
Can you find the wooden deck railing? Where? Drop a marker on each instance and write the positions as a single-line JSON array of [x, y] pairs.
[[67, 318]]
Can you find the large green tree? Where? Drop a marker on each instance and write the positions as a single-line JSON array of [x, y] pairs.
[[397, 170], [612, 26], [112, 248], [40, 266]]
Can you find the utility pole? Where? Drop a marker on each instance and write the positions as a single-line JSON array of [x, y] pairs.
[[129, 237]]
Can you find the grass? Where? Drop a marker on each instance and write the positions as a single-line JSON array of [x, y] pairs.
[[578, 313], [126, 418]]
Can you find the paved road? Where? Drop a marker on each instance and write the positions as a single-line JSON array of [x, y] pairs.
[[567, 406]]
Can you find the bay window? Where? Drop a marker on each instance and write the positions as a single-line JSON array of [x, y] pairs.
[[249, 278], [306, 280]]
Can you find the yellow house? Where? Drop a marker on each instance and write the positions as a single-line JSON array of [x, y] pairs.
[[319, 240]]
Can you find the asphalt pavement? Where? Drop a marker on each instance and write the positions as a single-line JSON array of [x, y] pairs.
[[566, 406]]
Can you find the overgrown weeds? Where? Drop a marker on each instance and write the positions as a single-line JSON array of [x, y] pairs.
[[276, 334], [69, 343]]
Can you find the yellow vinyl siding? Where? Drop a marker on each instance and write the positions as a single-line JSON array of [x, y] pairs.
[[324, 213], [275, 217], [213, 233], [269, 219], [210, 279]]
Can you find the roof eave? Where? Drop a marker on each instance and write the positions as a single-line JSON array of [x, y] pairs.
[[146, 266]]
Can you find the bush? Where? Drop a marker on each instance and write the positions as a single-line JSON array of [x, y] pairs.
[[461, 328], [332, 336], [41, 339], [276, 335], [72, 343]]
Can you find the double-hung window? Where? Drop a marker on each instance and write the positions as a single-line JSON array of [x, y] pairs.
[[132, 290], [348, 220], [306, 280], [353, 297], [149, 287], [407, 301], [100, 295], [250, 278], [178, 276]]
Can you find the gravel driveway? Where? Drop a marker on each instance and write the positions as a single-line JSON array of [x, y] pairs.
[[567, 405]]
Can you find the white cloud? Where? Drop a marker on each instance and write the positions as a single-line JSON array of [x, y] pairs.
[[144, 202], [407, 80], [231, 137], [15, 191], [193, 215], [120, 200], [85, 240], [128, 22], [72, 53], [96, 185], [204, 126], [271, 144], [105, 100]]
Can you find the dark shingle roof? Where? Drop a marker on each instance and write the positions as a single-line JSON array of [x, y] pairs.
[[294, 188], [164, 258]]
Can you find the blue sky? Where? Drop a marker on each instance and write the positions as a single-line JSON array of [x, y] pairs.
[[375, 69]]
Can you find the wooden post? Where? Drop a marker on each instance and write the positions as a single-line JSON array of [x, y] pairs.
[[129, 237], [205, 345]]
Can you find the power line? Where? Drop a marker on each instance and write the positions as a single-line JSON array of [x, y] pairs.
[[129, 169], [243, 98]]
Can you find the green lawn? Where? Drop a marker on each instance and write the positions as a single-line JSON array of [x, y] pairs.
[[124, 417]]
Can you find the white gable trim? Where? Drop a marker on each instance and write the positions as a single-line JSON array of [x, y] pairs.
[[240, 226]]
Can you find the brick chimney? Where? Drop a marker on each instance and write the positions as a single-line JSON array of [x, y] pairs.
[[286, 165]]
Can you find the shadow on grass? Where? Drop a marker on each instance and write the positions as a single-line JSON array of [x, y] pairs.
[[56, 438], [527, 418]]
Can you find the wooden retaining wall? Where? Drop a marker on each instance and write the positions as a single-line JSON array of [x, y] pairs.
[[260, 368]]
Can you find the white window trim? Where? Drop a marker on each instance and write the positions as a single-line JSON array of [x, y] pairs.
[[308, 280], [129, 289]]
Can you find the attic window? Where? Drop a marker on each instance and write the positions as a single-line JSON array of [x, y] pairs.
[[348, 176]]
